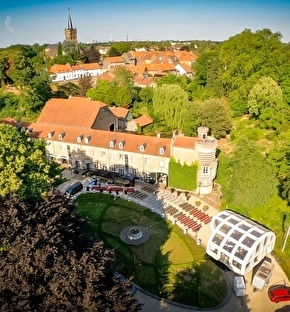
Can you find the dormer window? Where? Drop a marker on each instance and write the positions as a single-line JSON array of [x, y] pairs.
[[121, 144], [87, 139], [112, 143], [61, 135], [142, 147], [79, 138], [50, 134], [162, 150]]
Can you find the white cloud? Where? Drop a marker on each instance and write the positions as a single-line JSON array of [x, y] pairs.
[[8, 24]]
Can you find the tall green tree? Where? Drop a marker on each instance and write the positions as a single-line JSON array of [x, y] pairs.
[[24, 168], [247, 57], [123, 96], [103, 91], [85, 83], [118, 48], [123, 77], [4, 66], [265, 103], [92, 55], [215, 115], [207, 80], [251, 180], [9, 106], [182, 81], [34, 96], [48, 264], [146, 95], [169, 105], [279, 158]]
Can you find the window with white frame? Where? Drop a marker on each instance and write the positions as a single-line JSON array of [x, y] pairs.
[[121, 157], [162, 150], [61, 135], [133, 159], [161, 163], [146, 161], [87, 139], [103, 154], [121, 144], [142, 147], [121, 171], [79, 138], [50, 134], [112, 143], [112, 156]]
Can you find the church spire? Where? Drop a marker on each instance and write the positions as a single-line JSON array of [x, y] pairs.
[[70, 32], [69, 23]]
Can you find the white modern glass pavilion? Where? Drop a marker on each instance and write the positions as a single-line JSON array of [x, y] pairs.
[[238, 242]]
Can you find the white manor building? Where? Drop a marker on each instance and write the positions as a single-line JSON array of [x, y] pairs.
[[90, 135], [238, 242]]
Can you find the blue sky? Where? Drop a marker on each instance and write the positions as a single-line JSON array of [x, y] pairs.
[[44, 21]]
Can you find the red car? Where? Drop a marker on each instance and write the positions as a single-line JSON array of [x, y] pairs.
[[279, 294]]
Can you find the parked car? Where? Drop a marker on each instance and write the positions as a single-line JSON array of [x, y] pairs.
[[122, 279], [73, 189], [279, 294], [93, 181]]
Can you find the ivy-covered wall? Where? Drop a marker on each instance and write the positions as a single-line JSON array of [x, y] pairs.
[[182, 176]]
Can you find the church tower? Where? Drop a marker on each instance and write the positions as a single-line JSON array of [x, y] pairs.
[[70, 32]]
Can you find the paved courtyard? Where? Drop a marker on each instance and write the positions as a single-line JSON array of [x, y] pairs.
[[158, 200]]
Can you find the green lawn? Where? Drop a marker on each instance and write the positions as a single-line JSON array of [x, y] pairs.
[[170, 264]]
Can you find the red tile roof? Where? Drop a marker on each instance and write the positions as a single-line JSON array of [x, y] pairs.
[[60, 68], [137, 69], [161, 67], [76, 111], [119, 111], [102, 139], [88, 66], [109, 76], [184, 142], [187, 68], [143, 120], [148, 81], [115, 59]]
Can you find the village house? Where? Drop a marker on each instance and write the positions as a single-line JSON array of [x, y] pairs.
[[87, 134], [65, 72]]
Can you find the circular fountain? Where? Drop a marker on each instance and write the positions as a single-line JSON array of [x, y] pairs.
[[135, 235]]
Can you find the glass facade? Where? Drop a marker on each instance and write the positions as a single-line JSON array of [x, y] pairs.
[[238, 242]]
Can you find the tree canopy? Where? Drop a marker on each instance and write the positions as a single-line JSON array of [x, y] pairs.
[[247, 57], [251, 180], [24, 168], [279, 158], [48, 264], [265, 102], [169, 103], [215, 115]]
